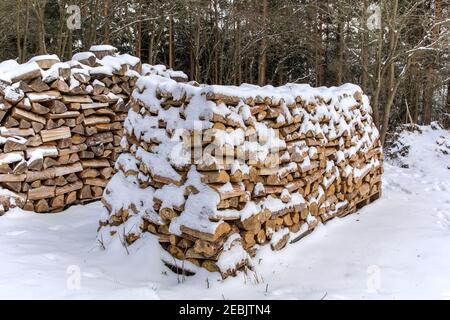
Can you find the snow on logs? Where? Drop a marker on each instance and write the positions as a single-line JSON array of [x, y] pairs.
[[61, 124], [214, 171]]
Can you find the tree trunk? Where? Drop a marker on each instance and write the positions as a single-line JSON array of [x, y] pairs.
[[415, 95], [106, 25], [388, 104], [151, 42], [216, 49], [340, 54], [428, 97], [171, 41], [448, 96], [93, 36], [25, 37], [62, 28], [138, 41], [238, 62], [392, 83], [40, 10], [263, 59], [18, 28], [197, 51], [429, 84], [69, 44], [325, 17], [318, 46], [378, 79], [364, 50]]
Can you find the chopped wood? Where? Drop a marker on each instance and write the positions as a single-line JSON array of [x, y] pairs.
[[27, 75], [40, 175], [11, 157], [38, 108], [57, 202], [44, 96], [216, 177], [85, 193], [76, 99], [41, 193], [13, 145], [69, 188], [46, 63], [94, 105], [97, 163], [24, 124], [221, 230], [236, 191], [62, 124], [90, 121], [68, 169], [12, 177], [26, 115], [64, 115], [96, 182], [60, 86], [55, 134], [71, 197], [12, 132], [58, 107], [304, 183], [73, 149]]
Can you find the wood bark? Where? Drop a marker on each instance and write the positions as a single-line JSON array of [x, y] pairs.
[[264, 45]]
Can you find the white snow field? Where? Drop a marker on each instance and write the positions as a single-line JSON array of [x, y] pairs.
[[398, 247]]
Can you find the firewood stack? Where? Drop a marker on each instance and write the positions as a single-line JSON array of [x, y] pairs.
[[161, 70], [61, 127], [215, 172]]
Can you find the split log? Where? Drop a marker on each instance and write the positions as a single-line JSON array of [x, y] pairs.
[[221, 230], [26, 115], [41, 193], [76, 99], [69, 188], [44, 96], [97, 163], [55, 134]]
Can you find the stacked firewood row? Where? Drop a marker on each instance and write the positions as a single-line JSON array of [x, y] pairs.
[[61, 127], [215, 172]]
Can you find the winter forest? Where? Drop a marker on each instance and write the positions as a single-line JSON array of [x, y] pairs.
[[397, 51]]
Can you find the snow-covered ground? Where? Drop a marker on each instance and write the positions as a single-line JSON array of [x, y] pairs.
[[398, 247]]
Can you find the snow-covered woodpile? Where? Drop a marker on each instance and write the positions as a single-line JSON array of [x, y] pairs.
[[61, 124], [161, 70], [215, 172]]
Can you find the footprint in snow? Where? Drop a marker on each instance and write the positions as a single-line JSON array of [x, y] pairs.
[[438, 186], [89, 275], [51, 256], [56, 228], [397, 186], [443, 219], [16, 233]]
